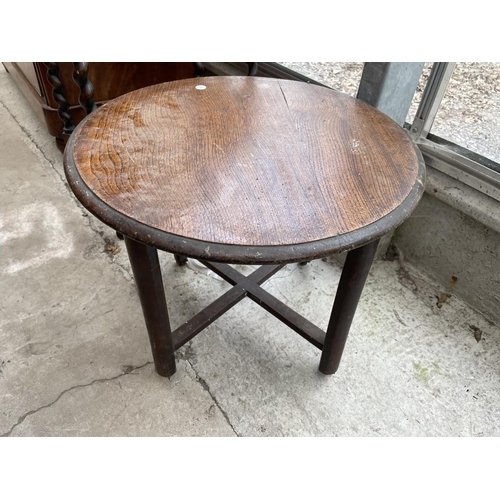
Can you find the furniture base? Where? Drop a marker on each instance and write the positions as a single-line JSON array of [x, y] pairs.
[[164, 341]]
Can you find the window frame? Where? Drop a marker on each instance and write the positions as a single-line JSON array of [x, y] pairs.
[[471, 168], [458, 162]]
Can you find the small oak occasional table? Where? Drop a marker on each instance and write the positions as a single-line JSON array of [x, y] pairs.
[[245, 170]]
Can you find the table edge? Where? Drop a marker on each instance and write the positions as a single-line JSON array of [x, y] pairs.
[[231, 253]]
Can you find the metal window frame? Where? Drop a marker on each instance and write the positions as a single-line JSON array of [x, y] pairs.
[[431, 99], [460, 163]]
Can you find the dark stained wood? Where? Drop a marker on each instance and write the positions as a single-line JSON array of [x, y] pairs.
[[352, 281], [147, 275], [199, 69], [25, 77], [246, 162], [216, 309], [110, 80], [113, 79], [59, 95], [278, 309], [253, 68], [28, 72], [80, 76]]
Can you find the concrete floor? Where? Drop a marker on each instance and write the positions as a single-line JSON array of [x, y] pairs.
[[75, 357]]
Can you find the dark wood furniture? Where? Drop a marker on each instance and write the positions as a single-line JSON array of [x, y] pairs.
[[245, 170], [110, 80]]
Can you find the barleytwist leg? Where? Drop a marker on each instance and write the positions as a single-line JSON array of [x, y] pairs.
[[59, 96], [80, 77]]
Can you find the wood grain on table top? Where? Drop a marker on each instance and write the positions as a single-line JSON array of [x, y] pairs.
[[246, 161]]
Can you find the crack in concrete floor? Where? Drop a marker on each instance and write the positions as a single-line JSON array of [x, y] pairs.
[[22, 418], [205, 386], [91, 223]]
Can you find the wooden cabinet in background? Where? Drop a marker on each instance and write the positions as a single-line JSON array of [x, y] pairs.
[[110, 80]]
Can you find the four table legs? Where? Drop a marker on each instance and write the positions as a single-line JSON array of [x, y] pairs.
[[147, 273]]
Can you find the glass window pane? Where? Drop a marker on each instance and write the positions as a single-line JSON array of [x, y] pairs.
[[343, 76], [469, 114]]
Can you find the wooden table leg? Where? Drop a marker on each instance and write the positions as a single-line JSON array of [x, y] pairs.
[[147, 274], [352, 281], [180, 259]]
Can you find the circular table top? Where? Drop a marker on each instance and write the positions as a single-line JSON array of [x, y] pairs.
[[244, 169]]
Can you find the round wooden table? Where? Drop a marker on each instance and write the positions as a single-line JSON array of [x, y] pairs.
[[245, 170]]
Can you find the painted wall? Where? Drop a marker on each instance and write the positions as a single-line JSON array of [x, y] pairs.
[[459, 252]]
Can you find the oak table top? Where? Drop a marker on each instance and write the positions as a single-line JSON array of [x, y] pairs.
[[245, 169]]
